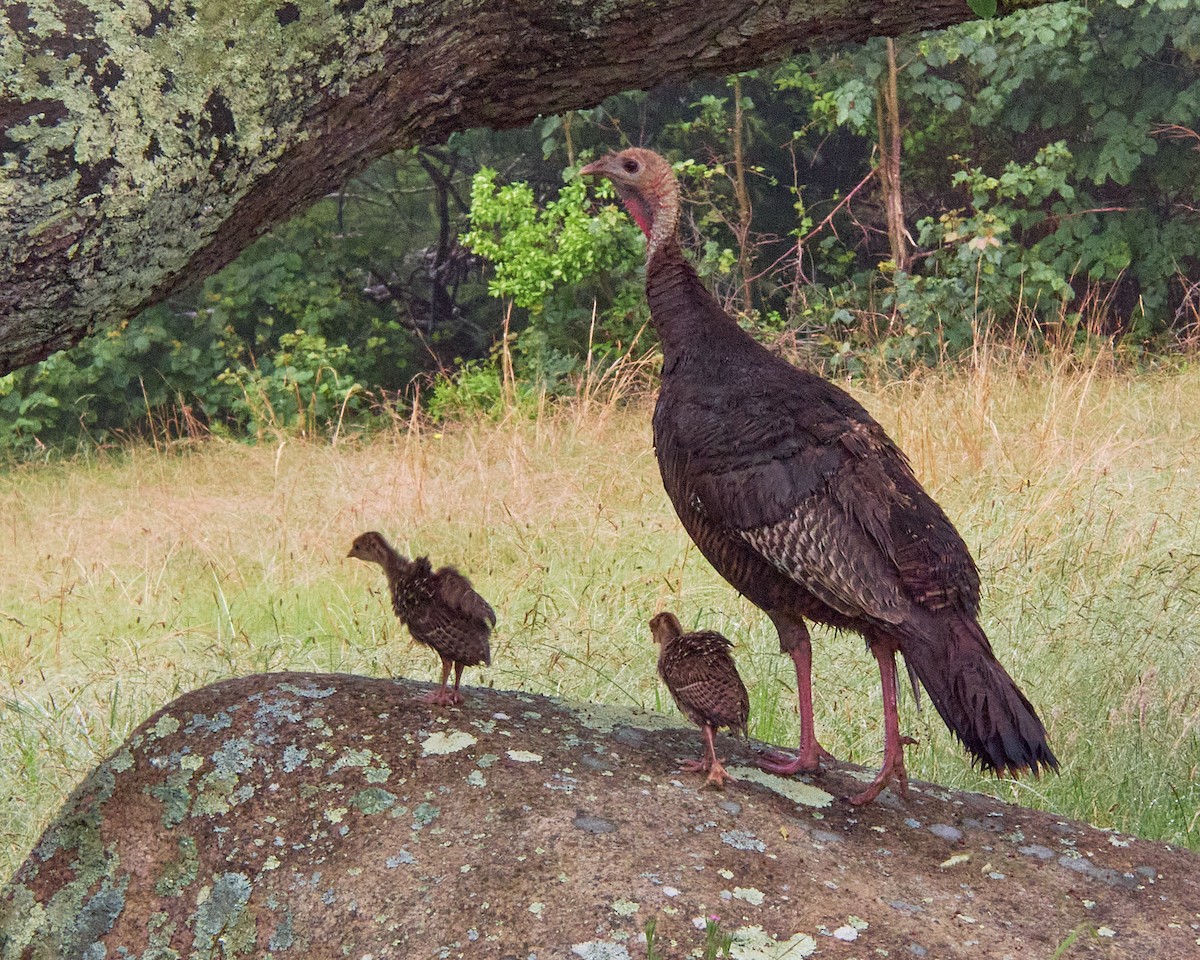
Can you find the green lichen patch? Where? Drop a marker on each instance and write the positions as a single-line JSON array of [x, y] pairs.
[[165, 726], [443, 742], [373, 800], [753, 943], [424, 814], [604, 718], [283, 936], [221, 720], [175, 797], [797, 791], [223, 927], [121, 761], [179, 873], [314, 692], [293, 757], [601, 950]]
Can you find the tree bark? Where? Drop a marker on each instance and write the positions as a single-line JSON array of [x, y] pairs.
[[142, 146]]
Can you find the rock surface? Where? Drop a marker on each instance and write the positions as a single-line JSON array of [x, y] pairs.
[[320, 816]]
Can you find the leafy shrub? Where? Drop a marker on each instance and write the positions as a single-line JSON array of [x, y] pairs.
[[296, 388], [575, 274]]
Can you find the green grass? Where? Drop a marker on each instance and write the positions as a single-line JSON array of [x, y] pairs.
[[129, 578]]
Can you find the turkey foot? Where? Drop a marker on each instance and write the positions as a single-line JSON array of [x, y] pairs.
[[443, 696], [807, 759], [718, 776], [893, 771]]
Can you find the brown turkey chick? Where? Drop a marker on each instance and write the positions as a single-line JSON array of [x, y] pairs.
[[440, 608], [704, 683], [798, 498]]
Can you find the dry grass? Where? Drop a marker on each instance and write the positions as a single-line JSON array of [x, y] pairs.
[[128, 579]]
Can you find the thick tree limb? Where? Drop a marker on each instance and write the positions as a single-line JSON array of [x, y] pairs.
[[143, 145]]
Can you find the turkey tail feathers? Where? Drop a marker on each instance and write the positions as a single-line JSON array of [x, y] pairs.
[[977, 698]]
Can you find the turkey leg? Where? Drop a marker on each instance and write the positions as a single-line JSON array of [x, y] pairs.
[[444, 695], [794, 640], [893, 770]]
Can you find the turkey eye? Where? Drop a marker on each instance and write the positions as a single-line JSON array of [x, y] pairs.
[[630, 166]]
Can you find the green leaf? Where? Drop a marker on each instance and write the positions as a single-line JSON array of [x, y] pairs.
[[983, 8]]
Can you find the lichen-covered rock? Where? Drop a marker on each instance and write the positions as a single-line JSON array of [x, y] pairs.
[[321, 816]]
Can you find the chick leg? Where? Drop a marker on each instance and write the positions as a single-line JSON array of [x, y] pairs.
[[718, 776], [443, 695]]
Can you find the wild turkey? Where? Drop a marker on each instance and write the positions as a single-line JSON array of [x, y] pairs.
[[704, 683], [801, 501], [441, 610]]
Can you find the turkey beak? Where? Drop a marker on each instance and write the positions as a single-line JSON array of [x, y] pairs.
[[597, 168]]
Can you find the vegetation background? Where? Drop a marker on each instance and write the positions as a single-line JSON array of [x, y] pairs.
[[990, 233]]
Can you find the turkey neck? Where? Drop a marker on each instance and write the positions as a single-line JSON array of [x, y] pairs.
[[690, 323], [400, 571]]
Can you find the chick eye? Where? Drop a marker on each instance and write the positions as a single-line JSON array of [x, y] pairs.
[[630, 165]]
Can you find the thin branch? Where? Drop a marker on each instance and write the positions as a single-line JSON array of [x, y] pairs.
[[819, 227]]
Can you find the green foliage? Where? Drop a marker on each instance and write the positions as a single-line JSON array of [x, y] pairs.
[[533, 250], [479, 388], [717, 942], [154, 362], [981, 257], [1083, 206], [1099, 77], [575, 273], [296, 388]]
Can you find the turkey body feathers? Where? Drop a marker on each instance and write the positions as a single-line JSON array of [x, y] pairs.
[[795, 467]]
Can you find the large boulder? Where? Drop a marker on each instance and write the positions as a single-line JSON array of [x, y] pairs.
[[321, 816]]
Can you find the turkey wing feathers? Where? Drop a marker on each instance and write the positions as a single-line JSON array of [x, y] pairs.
[[456, 592]]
